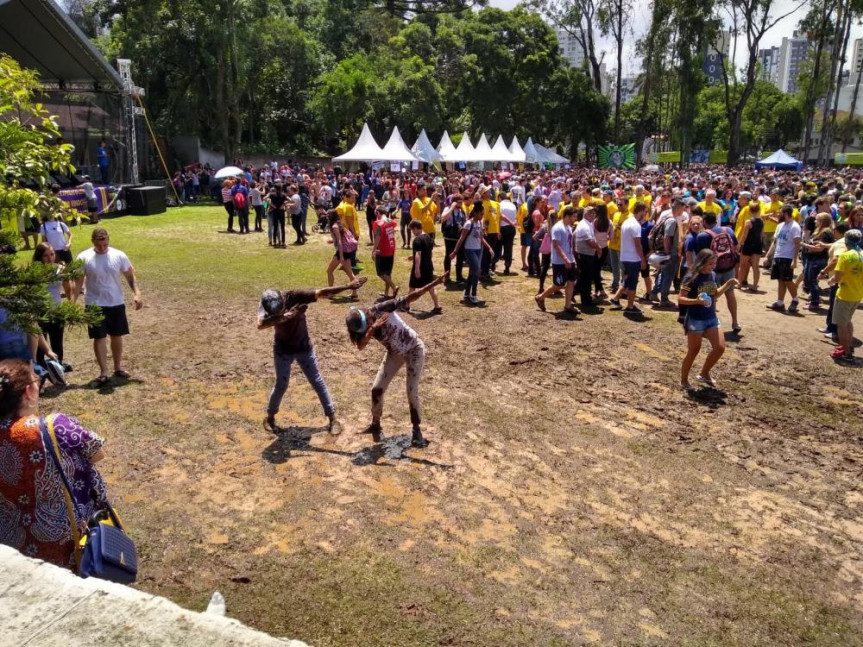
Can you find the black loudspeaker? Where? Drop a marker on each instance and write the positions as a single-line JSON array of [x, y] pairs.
[[146, 200]]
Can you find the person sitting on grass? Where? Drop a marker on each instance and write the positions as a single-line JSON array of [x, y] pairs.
[[286, 312], [698, 294], [404, 348]]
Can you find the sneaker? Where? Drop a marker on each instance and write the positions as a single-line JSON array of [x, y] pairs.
[[668, 305], [794, 305], [778, 306], [706, 379], [437, 310], [375, 430], [335, 426], [417, 439], [472, 298], [270, 424], [615, 302], [736, 327], [632, 310]]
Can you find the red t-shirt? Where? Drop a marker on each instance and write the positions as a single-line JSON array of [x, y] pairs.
[[387, 245]]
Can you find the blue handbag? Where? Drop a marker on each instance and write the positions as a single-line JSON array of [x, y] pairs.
[[108, 552]]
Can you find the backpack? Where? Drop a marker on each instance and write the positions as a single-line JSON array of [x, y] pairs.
[[723, 247], [656, 237], [527, 223], [240, 200]]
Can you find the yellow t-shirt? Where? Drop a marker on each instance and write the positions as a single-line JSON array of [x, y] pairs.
[[713, 208], [646, 198], [563, 205], [617, 221], [348, 214], [425, 216], [851, 283], [519, 217], [742, 217], [772, 208], [491, 216], [589, 202]]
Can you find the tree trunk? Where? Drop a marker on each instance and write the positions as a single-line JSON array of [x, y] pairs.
[[236, 91], [222, 108], [828, 127], [851, 115], [619, 38], [809, 117]]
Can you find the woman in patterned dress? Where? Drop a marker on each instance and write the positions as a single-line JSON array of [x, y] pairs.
[[34, 517]]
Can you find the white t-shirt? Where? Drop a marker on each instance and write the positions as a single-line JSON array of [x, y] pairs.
[[89, 191], [474, 235], [518, 194], [562, 233], [508, 209], [255, 197], [630, 236], [326, 194], [103, 276], [555, 198], [785, 235], [55, 232], [583, 235]]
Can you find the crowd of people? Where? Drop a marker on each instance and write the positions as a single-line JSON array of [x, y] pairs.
[[704, 234]]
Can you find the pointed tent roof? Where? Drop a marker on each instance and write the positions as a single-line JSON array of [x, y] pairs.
[[780, 160], [531, 155], [464, 152], [516, 150], [501, 152], [365, 150], [548, 155], [424, 150], [445, 148], [483, 150], [395, 149]]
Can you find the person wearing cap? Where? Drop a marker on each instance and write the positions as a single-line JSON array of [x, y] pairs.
[[286, 312], [92, 203], [848, 278], [403, 348], [103, 267]]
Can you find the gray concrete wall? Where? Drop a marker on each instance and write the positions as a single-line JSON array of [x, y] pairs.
[[42, 605]]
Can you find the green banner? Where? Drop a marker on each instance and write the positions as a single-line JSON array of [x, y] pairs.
[[616, 156], [668, 157], [848, 159], [718, 157]]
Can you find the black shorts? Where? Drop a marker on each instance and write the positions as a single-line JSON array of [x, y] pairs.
[[420, 282], [92, 205], [114, 323], [64, 255], [561, 274], [406, 220], [349, 256], [782, 270], [384, 265], [644, 271]]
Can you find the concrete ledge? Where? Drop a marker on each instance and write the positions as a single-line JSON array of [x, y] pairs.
[[42, 605]]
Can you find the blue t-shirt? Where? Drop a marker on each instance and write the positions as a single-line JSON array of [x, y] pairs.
[[703, 240], [102, 155], [646, 226], [689, 246], [702, 283]]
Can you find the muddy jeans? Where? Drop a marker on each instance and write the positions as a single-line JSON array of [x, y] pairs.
[[309, 365], [389, 367]]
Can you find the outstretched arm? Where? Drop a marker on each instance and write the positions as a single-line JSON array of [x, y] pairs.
[[293, 313], [363, 341], [324, 293], [394, 304]]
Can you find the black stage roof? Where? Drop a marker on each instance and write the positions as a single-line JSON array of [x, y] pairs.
[[39, 35]]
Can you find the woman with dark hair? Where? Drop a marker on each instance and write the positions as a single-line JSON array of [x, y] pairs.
[[371, 207], [601, 232], [404, 348], [346, 249], [52, 330], [41, 518], [228, 203], [277, 200], [473, 241], [698, 295], [404, 205]]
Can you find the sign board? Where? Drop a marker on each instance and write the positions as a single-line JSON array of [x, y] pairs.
[[848, 159]]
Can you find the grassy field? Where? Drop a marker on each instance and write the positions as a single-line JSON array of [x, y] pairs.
[[571, 494]]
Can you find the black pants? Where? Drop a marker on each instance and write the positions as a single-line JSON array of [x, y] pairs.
[[229, 207], [543, 270], [488, 260], [297, 224], [278, 227], [370, 221], [601, 262], [259, 215], [831, 327], [507, 238], [587, 265], [449, 244], [54, 333], [533, 259], [244, 218]]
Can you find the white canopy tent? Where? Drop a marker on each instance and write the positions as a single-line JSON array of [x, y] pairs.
[[516, 150], [501, 152], [424, 150], [531, 155], [395, 149], [483, 150], [445, 148], [546, 155], [365, 150], [465, 151]]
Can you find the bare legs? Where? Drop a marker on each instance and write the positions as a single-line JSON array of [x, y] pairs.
[[693, 346]]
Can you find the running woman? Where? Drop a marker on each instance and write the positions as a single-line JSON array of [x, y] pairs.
[[698, 294], [404, 348], [286, 311]]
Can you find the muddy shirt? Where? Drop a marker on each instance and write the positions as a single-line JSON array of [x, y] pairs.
[[292, 336], [396, 336]]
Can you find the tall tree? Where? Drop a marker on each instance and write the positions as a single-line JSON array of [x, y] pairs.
[[653, 49], [819, 24], [755, 20], [613, 18], [577, 18]]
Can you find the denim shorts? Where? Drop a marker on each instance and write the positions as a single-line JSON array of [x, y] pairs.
[[525, 240], [701, 325], [631, 270]]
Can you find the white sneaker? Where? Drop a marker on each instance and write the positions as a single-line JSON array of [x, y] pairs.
[[473, 299]]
